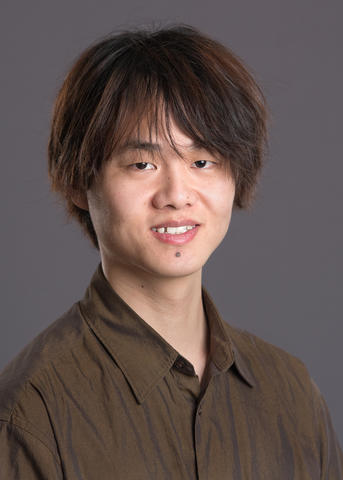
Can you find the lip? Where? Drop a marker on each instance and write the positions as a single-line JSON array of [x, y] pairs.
[[180, 239], [176, 223]]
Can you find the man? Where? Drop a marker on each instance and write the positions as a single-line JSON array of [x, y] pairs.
[[155, 137]]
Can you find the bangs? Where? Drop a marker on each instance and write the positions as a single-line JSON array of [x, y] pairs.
[[151, 120], [154, 83], [155, 96]]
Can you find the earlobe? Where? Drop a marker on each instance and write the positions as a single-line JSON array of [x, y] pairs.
[[80, 200]]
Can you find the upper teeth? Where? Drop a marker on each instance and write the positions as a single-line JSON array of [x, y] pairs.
[[173, 230]]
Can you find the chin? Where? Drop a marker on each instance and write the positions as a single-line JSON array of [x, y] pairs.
[[176, 273], [180, 267]]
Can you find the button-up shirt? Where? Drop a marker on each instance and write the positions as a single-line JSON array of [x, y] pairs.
[[101, 395]]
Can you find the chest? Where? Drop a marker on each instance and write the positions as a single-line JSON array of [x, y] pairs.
[[226, 432]]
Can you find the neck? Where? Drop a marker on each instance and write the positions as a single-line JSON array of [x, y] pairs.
[[172, 306]]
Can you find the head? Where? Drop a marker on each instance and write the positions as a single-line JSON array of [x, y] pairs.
[[147, 83]]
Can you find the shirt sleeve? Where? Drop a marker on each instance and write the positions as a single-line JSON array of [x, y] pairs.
[[24, 456], [330, 450]]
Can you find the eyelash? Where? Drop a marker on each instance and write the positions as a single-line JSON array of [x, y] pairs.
[[147, 163]]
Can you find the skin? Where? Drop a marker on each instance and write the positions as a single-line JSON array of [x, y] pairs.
[[125, 202]]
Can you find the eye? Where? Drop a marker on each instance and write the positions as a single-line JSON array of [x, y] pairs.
[[201, 164], [141, 166]]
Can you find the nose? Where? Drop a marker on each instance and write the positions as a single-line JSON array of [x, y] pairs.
[[174, 189]]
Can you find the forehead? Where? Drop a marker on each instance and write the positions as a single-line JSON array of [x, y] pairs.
[[161, 138]]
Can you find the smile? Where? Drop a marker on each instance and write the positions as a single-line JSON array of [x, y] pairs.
[[174, 230], [175, 235]]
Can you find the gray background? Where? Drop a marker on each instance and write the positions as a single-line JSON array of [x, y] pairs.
[[279, 271]]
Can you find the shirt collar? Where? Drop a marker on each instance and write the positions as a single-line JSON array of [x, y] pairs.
[[140, 352], [225, 341]]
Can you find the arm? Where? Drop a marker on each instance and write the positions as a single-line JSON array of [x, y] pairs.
[[24, 456], [331, 455]]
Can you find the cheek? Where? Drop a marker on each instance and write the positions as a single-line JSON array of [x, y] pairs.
[[222, 199], [222, 202], [102, 209], [123, 206]]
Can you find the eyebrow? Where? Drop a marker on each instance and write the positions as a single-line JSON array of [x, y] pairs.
[[154, 147], [140, 145]]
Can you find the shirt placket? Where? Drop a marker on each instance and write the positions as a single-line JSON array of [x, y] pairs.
[[190, 387]]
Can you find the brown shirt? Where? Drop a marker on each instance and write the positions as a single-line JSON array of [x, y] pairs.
[[100, 395]]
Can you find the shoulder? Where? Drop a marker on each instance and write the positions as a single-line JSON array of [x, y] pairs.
[[18, 378], [261, 350], [286, 390], [273, 368]]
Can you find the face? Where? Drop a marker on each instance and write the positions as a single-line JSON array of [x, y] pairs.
[[141, 191]]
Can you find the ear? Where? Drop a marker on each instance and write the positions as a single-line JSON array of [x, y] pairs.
[[80, 200]]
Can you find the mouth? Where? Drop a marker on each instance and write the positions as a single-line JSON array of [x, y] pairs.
[[174, 230], [179, 235], [176, 226]]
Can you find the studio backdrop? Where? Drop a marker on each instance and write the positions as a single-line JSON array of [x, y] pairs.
[[278, 273]]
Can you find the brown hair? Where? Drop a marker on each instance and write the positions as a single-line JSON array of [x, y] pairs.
[[179, 71]]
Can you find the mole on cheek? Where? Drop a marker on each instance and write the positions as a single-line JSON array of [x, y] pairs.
[[177, 254]]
